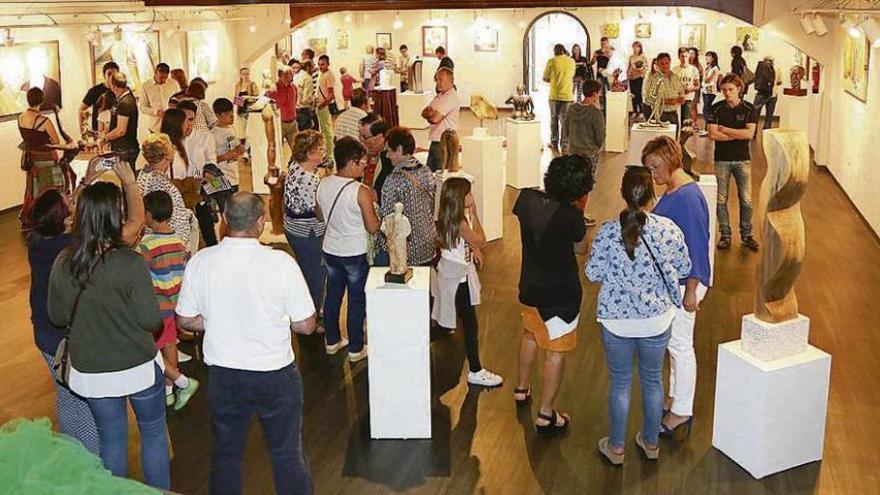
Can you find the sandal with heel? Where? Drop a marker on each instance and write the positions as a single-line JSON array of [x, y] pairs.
[[551, 428], [527, 392]]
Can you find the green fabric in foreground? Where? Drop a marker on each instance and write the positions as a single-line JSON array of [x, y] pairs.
[[34, 460]]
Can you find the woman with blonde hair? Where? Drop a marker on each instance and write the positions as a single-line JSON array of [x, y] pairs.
[[461, 240], [684, 204], [303, 228], [449, 147]]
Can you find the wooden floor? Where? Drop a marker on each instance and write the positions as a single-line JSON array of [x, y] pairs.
[[481, 442]]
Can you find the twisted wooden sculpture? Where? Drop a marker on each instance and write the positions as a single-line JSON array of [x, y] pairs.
[[788, 170]]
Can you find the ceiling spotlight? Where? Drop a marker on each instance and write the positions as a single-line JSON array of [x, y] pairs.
[[253, 28], [819, 25], [348, 17], [851, 28], [720, 24], [8, 40], [807, 25], [117, 33], [872, 30], [397, 22], [172, 31], [286, 21]]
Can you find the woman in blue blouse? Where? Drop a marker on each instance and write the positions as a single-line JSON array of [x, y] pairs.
[[638, 260], [684, 204]]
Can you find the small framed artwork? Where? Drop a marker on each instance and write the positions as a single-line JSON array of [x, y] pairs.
[[486, 40], [692, 36], [856, 60], [341, 40], [643, 30], [611, 30], [383, 40], [319, 45], [284, 49], [747, 38], [203, 54], [433, 37]]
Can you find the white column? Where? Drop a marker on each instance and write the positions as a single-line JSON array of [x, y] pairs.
[[709, 186], [796, 114], [409, 109], [482, 157], [616, 121], [400, 360], [523, 153]]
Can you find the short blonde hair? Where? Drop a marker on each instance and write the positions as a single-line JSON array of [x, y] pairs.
[[305, 142], [666, 150], [156, 147]]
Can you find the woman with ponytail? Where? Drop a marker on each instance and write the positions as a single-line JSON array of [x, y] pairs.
[[638, 261], [683, 203]]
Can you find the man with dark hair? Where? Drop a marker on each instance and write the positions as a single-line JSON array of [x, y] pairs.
[[326, 96], [665, 87], [732, 123], [94, 94], [286, 97], [378, 163], [689, 76], [348, 122], [585, 127], [445, 61], [559, 72], [123, 121], [155, 95], [403, 68], [228, 147], [442, 113], [242, 295]]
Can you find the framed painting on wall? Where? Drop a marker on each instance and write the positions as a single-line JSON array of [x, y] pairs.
[[383, 40], [747, 38], [432, 37], [319, 45], [486, 40], [643, 30], [341, 40], [28, 65], [856, 57], [203, 54], [692, 36], [136, 53], [611, 30], [284, 49]]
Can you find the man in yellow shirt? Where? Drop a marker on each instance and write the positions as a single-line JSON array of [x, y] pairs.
[[559, 72]]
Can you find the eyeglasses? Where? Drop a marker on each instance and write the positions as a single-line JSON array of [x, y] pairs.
[[639, 168]]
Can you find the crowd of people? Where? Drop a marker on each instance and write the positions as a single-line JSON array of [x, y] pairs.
[[121, 273]]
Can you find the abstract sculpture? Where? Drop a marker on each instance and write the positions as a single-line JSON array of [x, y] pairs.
[[274, 177], [482, 108], [415, 76], [397, 228], [788, 170], [523, 106]]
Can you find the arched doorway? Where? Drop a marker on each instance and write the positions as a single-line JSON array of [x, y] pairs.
[[545, 31]]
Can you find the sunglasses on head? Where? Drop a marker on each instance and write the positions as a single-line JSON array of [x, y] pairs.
[[639, 168]]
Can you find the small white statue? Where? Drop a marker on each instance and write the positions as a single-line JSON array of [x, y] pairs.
[[397, 228]]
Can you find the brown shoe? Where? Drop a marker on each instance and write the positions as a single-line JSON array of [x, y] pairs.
[[605, 450], [724, 243], [652, 454], [750, 243]]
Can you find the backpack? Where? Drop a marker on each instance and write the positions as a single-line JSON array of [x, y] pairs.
[[765, 78]]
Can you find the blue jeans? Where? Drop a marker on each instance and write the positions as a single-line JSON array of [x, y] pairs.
[[707, 108], [111, 419], [311, 262], [558, 111], [742, 174], [770, 103], [234, 396], [346, 273], [619, 353]]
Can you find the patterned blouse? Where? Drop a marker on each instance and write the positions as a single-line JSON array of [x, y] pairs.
[[413, 185], [150, 180], [633, 289], [300, 188], [663, 87]]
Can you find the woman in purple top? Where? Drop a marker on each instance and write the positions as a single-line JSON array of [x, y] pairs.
[[683, 203]]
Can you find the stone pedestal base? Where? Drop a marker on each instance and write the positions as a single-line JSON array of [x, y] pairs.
[[770, 416], [771, 341]]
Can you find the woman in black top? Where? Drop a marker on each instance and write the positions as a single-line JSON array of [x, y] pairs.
[[549, 284], [582, 71]]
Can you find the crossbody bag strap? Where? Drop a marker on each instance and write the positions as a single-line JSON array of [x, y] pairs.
[[657, 267], [333, 206], [412, 178]]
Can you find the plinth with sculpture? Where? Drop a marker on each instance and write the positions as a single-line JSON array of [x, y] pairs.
[[523, 106], [396, 228]]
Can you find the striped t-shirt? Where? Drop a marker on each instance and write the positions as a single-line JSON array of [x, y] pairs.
[[166, 258]]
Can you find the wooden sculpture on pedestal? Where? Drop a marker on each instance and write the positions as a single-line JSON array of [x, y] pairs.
[[274, 176], [788, 170]]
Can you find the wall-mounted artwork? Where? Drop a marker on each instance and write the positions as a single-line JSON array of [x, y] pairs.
[[137, 54], [692, 36], [856, 53], [383, 40], [24, 66], [643, 30], [486, 40], [284, 49], [432, 37], [319, 45], [341, 40], [747, 38], [202, 54], [611, 30]]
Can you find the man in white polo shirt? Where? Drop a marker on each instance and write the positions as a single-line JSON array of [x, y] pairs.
[[247, 298], [442, 113]]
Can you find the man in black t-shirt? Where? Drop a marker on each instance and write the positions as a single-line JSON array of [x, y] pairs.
[[123, 121], [90, 100], [731, 124], [444, 59]]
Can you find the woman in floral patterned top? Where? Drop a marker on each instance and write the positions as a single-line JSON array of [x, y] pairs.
[[158, 151], [304, 231], [638, 260]]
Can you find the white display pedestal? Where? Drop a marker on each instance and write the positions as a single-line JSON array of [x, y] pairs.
[[770, 415], [256, 139], [709, 186], [523, 153], [617, 121], [409, 109], [400, 359], [797, 112], [482, 158], [640, 136]]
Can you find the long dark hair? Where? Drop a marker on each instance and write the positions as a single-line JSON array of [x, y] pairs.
[[714, 59], [579, 55], [637, 190], [451, 212], [97, 227], [172, 124]]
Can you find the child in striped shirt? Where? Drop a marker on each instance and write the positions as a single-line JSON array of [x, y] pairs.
[[166, 257]]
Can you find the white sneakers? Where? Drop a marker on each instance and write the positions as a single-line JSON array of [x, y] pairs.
[[333, 349], [183, 357], [354, 357], [484, 378]]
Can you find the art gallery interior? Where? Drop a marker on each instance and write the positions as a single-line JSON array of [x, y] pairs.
[[758, 427]]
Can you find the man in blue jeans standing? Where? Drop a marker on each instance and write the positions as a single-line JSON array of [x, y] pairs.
[[731, 125], [242, 295]]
